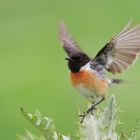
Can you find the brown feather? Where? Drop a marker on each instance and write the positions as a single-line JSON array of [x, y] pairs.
[[68, 43], [126, 49]]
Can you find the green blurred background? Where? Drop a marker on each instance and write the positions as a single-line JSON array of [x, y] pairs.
[[33, 72]]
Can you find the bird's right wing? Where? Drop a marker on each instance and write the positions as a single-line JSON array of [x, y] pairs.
[[120, 52]]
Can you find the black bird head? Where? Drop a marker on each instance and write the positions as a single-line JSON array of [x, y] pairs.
[[76, 61]]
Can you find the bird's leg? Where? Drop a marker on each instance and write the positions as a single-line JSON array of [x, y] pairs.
[[90, 109], [84, 113], [94, 105], [94, 108], [82, 116]]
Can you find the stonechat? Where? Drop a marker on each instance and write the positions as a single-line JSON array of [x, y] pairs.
[[88, 74]]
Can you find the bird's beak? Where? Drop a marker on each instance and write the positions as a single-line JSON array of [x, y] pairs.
[[69, 59]]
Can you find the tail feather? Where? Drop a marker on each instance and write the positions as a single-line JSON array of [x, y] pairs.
[[116, 81]]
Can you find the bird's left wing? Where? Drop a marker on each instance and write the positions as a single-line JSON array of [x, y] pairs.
[[68, 43], [120, 52]]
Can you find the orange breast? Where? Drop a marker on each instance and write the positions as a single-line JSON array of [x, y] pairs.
[[90, 81]]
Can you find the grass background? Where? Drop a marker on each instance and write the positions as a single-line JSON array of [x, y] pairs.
[[33, 72]]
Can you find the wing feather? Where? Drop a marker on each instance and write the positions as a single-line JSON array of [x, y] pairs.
[[122, 50], [68, 43]]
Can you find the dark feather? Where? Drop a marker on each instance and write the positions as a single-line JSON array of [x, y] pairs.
[[68, 43], [120, 52]]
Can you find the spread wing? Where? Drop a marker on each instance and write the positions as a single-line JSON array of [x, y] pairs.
[[121, 52], [69, 45]]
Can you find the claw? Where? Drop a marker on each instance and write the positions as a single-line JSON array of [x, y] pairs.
[[82, 116], [92, 110]]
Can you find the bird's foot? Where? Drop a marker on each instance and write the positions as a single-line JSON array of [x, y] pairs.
[[82, 116], [90, 110]]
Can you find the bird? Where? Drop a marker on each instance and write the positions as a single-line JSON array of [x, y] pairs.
[[87, 74]]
